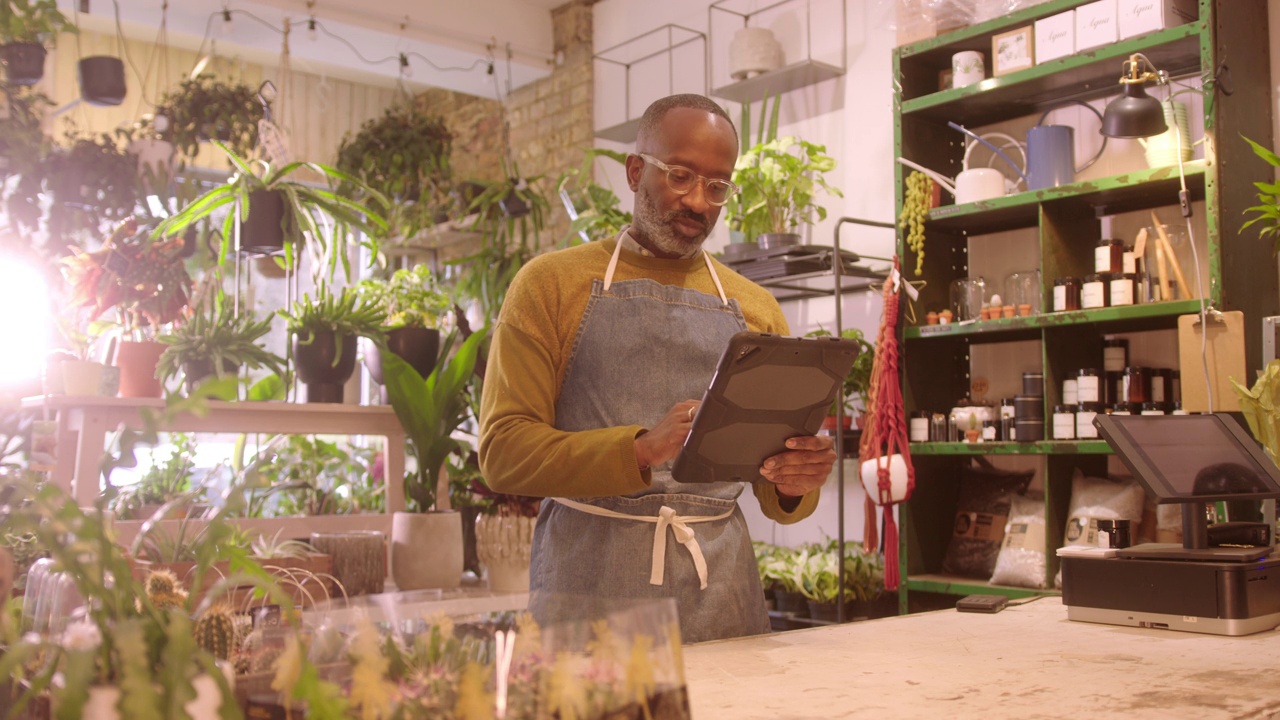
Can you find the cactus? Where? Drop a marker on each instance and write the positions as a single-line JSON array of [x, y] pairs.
[[164, 591], [215, 631]]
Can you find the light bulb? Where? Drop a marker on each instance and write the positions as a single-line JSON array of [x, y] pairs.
[[406, 71], [226, 21], [312, 33]]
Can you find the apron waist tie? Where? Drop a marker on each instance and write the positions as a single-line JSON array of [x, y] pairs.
[[666, 516]]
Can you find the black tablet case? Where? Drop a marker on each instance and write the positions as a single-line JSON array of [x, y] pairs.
[[767, 388]]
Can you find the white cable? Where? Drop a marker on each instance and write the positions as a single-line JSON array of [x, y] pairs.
[[1195, 256]]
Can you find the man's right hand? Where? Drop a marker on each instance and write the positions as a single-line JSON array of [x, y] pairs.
[[662, 442]]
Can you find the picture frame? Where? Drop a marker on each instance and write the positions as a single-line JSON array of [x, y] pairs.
[[1012, 51]]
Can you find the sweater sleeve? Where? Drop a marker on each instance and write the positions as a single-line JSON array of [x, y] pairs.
[[521, 451]]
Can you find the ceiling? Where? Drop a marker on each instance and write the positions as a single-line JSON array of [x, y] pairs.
[[447, 43]]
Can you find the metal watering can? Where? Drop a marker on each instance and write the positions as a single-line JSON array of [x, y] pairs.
[[1051, 153], [977, 184]]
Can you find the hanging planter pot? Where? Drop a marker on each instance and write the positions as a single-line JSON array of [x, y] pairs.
[[324, 365], [102, 80], [23, 62], [262, 231]]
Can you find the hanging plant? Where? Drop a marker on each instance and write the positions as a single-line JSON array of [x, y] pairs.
[[24, 149], [404, 155], [205, 108], [92, 180], [26, 28]]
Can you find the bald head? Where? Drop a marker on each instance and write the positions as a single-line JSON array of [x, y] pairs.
[[651, 121]]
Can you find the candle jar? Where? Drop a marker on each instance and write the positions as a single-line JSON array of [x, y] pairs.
[[1108, 256], [1123, 289], [1033, 383], [1161, 382], [1153, 408], [1095, 292], [1122, 408], [1066, 294], [1112, 388], [1115, 354], [919, 426], [1064, 422], [1085, 413], [1088, 386], [1071, 388]]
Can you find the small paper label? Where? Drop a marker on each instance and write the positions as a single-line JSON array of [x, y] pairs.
[[980, 526], [1024, 536], [1059, 298]]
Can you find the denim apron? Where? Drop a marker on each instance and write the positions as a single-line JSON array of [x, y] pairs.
[[640, 348]]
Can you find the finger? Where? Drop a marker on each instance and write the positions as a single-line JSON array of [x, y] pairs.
[[810, 442]]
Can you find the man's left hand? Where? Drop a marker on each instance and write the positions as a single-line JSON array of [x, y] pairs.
[[804, 467]]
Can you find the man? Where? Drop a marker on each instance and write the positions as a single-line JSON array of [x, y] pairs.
[[599, 355]]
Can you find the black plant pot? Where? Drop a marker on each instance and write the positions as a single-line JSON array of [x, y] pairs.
[[316, 367], [417, 346], [470, 556], [197, 371], [790, 601], [24, 62], [102, 80], [262, 232]]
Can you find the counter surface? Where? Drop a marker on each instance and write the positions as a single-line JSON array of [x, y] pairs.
[[1027, 661]]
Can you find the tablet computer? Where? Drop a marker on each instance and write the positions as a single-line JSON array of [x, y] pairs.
[[767, 388]]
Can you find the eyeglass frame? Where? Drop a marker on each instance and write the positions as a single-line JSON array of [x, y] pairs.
[[705, 181]]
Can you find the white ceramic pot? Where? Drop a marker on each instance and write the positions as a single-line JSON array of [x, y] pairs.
[[503, 543], [870, 474], [753, 51], [426, 550], [80, 377]]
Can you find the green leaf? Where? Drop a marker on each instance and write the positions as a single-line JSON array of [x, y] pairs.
[[271, 387]]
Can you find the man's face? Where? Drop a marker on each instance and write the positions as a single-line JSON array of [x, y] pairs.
[[666, 223]]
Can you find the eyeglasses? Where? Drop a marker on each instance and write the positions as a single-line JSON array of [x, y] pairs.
[[682, 180]]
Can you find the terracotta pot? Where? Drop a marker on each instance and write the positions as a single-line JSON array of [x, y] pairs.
[[317, 368], [137, 362], [426, 550], [24, 62]]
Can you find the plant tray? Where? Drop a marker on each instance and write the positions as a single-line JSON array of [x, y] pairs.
[[307, 592]]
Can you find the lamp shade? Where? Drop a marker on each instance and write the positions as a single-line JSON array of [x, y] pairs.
[[1135, 114]]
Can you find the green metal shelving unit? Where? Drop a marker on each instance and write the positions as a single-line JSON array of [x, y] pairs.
[[936, 359]]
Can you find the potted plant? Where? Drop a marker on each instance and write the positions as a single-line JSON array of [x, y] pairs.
[[504, 532], [430, 409], [779, 180], [216, 340], [404, 156], [593, 209], [302, 475], [277, 210], [857, 384], [166, 483], [416, 311], [510, 239], [324, 334], [820, 580], [1267, 211], [26, 26], [146, 283], [205, 108]]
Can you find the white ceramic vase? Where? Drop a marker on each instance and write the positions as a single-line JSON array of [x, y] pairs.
[[426, 550], [503, 543], [753, 51], [80, 377]]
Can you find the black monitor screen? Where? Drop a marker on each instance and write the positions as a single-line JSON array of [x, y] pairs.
[[1183, 458]]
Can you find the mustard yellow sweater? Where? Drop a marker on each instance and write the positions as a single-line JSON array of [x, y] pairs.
[[521, 451]]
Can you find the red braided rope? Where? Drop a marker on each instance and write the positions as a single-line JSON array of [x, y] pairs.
[[886, 433]]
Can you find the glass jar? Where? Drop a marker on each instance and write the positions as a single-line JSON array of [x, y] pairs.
[[1088, 386], [1064, 422], [1123, 289], [1130, 261], [1095, 291], [1085, 413], [1112, 387], [1136, 386], [1108, 256], [1008, 411], [1115, 354], [938, 427], [1177, 409], [1066, 294], [1161, 385], [1153, 408], [1175, 387], [1122, 408]]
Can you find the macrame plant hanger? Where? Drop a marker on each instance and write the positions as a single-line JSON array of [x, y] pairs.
[[884, 441]]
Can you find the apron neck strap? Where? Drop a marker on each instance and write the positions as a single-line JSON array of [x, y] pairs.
[[706, 256]]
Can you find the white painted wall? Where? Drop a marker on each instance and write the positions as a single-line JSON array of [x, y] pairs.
[[852, 115]]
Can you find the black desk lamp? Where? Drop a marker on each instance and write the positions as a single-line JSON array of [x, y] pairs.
[[1135, 114]]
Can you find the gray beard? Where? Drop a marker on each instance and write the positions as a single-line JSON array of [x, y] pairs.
[[654, 231]]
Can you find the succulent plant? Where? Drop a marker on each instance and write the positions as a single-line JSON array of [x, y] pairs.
[[215, 631]]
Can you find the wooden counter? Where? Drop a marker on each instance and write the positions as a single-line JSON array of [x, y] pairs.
[[1027, 661]]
